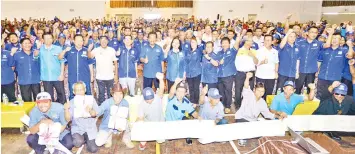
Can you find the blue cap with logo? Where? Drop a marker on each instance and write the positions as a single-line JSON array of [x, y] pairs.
[[290, 83], [61, 35], [341, 89], [140, 31], [148, 93], [214, 93]]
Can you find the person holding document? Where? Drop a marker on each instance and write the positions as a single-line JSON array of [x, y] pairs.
[[115, 120], [82, 111], [151, 109], [179, 107], [47, 112]]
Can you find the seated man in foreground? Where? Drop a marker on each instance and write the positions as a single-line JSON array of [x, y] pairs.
[[47, 112], [285, 103]]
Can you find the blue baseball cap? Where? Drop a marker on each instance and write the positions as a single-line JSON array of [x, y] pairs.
[[214, 93], [341, 89], [290, 83], [140, 31], [61, 35], [148, 93]]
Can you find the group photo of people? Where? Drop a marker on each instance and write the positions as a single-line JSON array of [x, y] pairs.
[[81, 72]]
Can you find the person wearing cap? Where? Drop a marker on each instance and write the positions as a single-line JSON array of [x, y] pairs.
[[139, 42], [227, 71], [52, 68], [151, 109], [152, 56], [178, 106], [128, 58], [61, 41], [285, 103], [94, 39], [7, 76], [83, 129], [113, 41], [309, 50], [245, 62], [47, 112], [332, 61], [28, 70], [338, 102], [106, 67], [288, 56], [105, 133], [80, 66]]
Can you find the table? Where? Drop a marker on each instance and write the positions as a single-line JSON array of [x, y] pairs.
[[306, 108], [10, 115]]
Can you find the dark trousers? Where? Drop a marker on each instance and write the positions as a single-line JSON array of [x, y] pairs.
[[30, 90], [281, 81], [104, 88], [79, 140], [71, 95], [148, 82], [170, 84], [194, 88], [269, 85], [59, 88], [210, 85], [322, 89], [241, 120], [303, 80], [32, 141], [9, 90], [349, 84], [239, 84], [225, 86]]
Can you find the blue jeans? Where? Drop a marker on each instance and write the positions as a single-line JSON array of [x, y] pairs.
[[222, 122], [104, 87]]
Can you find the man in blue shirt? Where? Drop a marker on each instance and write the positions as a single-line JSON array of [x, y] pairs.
[[7, 76], [288, 56], [309, 50], [227, 71], [128, 58], [332, 64], [28, 70], [47, 112], [61, 41], [80, 66], [52, 69], [285, 103], [13, 42], [152, 56], [210, 63], [113, 41]]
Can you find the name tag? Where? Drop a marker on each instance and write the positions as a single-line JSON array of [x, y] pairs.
[[314, 45]]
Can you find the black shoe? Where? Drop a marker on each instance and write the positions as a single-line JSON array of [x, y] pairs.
[[188, 141], [131, 95], [333, 136]]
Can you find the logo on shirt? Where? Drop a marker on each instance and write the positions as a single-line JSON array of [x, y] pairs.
[[186, 46], [22, 57], [4, 56], [132, 52], [84, 54], [157, 50], [180, 54], [296, 49], [314, 45], [340, 52], [114, 43], [228, 52]]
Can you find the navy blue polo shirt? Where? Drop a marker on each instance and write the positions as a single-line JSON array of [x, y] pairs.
[[155, 57], [333, 63], [78, 65], [346, 70], [288, 57], [114, 43], [7, 74], [308, 52], [193, 62], [27, 67], [186, 47], [127, 62], [331, 106], [228, 67], [210, 72], [9, 46]]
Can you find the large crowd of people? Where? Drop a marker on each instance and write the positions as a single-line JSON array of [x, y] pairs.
[[204, 67]]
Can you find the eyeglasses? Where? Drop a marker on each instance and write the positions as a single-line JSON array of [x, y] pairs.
[[339, 94]]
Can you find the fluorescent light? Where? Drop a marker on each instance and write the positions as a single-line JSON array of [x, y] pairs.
[[337, 13]]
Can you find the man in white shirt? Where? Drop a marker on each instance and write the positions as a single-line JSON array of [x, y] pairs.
[[106, 67], [268, 65], [258, 38]]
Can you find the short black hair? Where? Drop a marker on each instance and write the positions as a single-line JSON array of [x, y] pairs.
[[12, 33], [47, 33], [152, 33], [24, 39], [226, 39], [267, 35], [259, 85], [78, 35], [337, 33], [249, 31], [312, 27], [231, 31], [210, 42]]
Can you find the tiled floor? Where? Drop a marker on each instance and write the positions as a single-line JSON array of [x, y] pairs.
[[14, 142]]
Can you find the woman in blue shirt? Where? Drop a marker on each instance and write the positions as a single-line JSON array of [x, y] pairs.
[[176, 62], [193, 70]]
